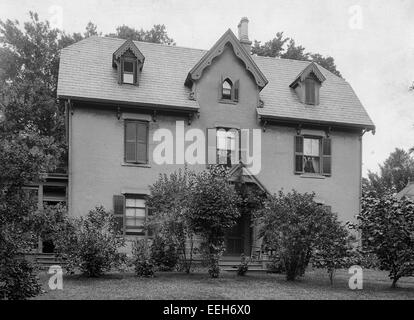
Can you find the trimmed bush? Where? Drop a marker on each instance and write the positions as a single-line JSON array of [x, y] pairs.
[[141, 259]]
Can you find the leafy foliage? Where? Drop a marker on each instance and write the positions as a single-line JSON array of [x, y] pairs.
[[333, 249], [294, 225], [18, 280], [141, 259], [164, 253], [212, 209], [285, 47], [393, 176], [90, 243], [157, 34], [387, 225], [168, 202], [243, 267]]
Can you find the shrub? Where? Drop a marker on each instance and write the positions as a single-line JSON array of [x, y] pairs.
[[164, 253], [18, 281], [275, 265], [243, 266], [333, 249], [212, 209], [387, 226], [141, 259], [90, 244], [293, 225], [168, 202]]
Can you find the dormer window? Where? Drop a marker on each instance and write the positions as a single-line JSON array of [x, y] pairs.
[[308, 83], [310, 91], [129, 74], [129, 62], [229, 91]]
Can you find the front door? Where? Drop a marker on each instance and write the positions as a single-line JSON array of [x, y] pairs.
[[238, 238]]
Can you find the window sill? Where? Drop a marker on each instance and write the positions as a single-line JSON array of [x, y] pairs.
[[227, 101], [140, 165], [312, 176]]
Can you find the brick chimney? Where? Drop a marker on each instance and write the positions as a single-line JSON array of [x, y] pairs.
[[244, 34]]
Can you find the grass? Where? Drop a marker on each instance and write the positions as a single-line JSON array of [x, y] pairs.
[[314, 285]]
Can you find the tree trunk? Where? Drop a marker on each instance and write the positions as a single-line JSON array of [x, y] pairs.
[[394, 282]]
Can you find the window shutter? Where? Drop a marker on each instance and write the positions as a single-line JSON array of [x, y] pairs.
[[236, 91], [142, 140], [135, 72], [130, 141], [212, 146], [221, 87], [298, 154], [119, 212], [122, 70], [326, 156], [310, 91]]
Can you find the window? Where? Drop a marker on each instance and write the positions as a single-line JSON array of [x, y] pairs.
[[310, 91], [136, 142], [229, 91], [313, 155], [129, 71], [135, 215], [226, 146]]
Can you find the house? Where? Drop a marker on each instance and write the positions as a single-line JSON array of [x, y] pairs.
[[407, 192], [127, 100]]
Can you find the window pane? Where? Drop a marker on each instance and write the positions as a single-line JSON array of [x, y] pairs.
[[130, 131], [142, 131], [128, 66], [128, 78], [226, 89], [130, 221], [311, 164], [311, 147], [130, 153], [130, 202], [140, 213], [130, 212], [140, 203], [221, 139]]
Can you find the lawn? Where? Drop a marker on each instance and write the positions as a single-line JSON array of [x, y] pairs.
[[314, 285]]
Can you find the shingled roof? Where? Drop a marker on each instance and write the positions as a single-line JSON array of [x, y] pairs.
[[86, 73]]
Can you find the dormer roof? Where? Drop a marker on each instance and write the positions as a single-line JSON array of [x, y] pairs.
[[311, 69], [127, 45], [228, 37]]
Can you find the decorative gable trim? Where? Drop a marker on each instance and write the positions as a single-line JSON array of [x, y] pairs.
[[241, 173], [127, 45], [312, 68], [218, 48]]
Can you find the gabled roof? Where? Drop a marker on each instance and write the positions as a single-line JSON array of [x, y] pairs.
[[127, 45], [240, 173], [312, 68], [228, 37], [86, 73], [408, 191]]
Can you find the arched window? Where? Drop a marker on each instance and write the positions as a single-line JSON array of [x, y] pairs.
[[227, 86]]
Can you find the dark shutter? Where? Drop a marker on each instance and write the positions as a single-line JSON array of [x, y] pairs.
[[122, 69], [130, 141], [326, 156], [298, 154], [236, 90], [142, 139], [211, 146], [119, 212], [135, 72]]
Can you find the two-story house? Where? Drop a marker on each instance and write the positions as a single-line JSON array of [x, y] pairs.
[[132, 108]]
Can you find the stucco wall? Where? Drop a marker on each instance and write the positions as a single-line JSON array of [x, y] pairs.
[[97, 171]]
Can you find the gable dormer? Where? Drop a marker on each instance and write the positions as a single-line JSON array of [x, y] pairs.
[[308, 83], [129, 62]]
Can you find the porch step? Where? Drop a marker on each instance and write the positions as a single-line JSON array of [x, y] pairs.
[[45, 260]]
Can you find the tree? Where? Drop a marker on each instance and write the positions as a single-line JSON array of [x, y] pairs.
[[157, 34], [284, 47], [168, 202], [393, 176], [333, 249], [387, 225], [212, 209], [294, 226]]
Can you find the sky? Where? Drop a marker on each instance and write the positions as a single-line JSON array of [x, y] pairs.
[[372, 42]]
